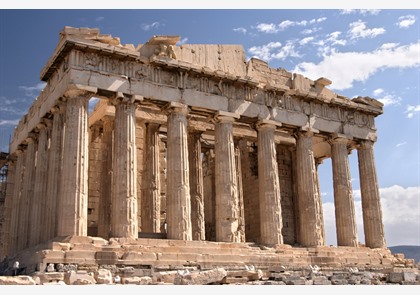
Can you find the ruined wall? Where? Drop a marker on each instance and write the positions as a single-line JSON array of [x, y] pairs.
[[285, 166], [96, 158], [209, 195], [249, 162]]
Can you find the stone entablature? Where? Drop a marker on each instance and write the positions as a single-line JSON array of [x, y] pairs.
[[212, 77]]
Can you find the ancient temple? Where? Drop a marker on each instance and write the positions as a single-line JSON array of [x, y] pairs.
[[188, 145]]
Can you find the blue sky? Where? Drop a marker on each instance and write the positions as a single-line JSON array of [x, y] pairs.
[[372, 53]]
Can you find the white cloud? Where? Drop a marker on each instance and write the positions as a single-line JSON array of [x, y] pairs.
[[274, 50], [273, 28], [401, 144], [267, 28], [361, 11], [333, 39], [9, 122], [345, 68], [182, 41], [378, 91], [148, 27], [406, 21], [33, 91], [390, 99], [306, 40], [412, 110], [358, 30], [99, 18], [240, 30], [400, 213]]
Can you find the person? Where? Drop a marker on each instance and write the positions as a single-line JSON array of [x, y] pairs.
[[15, 268]]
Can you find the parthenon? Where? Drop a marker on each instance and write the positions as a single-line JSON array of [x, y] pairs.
[[187, 144]]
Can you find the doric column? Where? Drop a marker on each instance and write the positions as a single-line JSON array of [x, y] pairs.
[[16, 199], [40, 190], [178, 200], [196, 186], [8, 205], [150, 202], [371, 204], [73, 204], [53, 205], [238, 161], [320, 212], [104, 214], [25, 206], [345, 217], [227, 198], [269, 186], [124, 178], [310, 223]]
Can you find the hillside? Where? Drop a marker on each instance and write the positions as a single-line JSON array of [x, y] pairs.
[[412, 252]]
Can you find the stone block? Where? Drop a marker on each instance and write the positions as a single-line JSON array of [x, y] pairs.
[[201, 277], [136, 280], [103, 276], [17, 280], [79, 278]]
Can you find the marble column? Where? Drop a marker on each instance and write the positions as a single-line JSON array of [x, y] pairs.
[[238, 161], [73, 203], [150, 203], [178, 200], [54, 171], [319, 200], [104, 214], [345, 217], [227, 197], [310, 223], [124, 168], [16, 197], [26, 203], [196, 186], [8, 204], [40, 189], [269, 186], [371, 205]]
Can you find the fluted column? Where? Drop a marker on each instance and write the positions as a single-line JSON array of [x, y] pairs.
[[124, 169], [227, 198], [196, 186], [238, 161], [104, 214], [310, 223], [269, 186], [25, 205], [8, 203], [16, 197], [40, 190], [55, 155], [178, 200], [150, 205], [73, 203], [345, 217], [371, 204]]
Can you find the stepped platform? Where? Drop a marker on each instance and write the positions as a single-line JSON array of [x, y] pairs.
[[165, 254]]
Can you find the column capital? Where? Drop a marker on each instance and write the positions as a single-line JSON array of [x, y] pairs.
[[176, 107], [122, 98], [31, 138], [78, 90], [365, 144], [267, 124], [225, 117], [339, 138], [43, 123]]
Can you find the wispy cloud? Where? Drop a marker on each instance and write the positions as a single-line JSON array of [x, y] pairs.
[[148, 27], [390, 99], [412, 110], [401, 144], [274, 50], [378, 91], [9, 122], [273, 28], [345, 68], [33, 91], [306, 40], [240, 30], [361, 11], [406, 21], [99, 18], [358, 29], [182, 41]]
